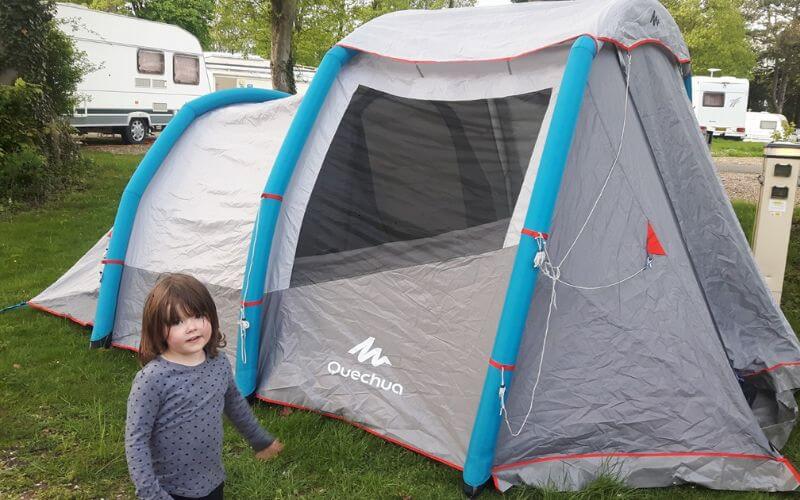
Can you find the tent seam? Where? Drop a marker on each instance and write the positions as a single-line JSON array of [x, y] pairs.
[[596, 38]]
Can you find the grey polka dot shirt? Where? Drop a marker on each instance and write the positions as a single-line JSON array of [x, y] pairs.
[[173, 432]]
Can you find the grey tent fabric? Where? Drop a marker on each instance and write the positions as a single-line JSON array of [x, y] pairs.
[[74, 295], [433, 323], [760, 344], [401, 253], [634, 376], [502, 31]]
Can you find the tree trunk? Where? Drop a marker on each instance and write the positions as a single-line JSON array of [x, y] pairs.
[[779, 87], [281, 60], [782, 94], [774, 91]]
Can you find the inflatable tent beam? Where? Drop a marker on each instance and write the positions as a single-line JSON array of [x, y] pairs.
[[480, 455], [255, 274], [114, 261]]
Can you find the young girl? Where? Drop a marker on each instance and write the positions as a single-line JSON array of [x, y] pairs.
[[173, 433]]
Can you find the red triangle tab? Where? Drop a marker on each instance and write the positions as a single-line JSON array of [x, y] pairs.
[[653, 245]]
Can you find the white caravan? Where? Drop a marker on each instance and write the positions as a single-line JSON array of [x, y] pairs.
[[142, 71], [226, 71], [760, 127], [720, 104]]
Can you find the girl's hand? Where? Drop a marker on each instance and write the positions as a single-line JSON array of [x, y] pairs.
[[270, 451]]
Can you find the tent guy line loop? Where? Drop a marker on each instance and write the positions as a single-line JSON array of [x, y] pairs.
[[544, 263], [12, 307]]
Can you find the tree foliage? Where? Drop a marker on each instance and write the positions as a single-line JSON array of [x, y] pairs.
[[195, 16], [240, 24], [775, 31], [715, 31], [40, 71], [192, 15], [32, 48]]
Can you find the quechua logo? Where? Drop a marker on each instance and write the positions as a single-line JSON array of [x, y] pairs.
[[364, 352]]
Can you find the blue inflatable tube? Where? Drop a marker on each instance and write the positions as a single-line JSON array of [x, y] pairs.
[[129, 204], [480, 455], [247, 347], [687, 82]]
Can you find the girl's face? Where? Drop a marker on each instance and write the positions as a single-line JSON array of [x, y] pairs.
[[189, 336]]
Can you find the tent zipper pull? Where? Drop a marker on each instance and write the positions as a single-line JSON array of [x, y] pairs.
[[502, 391], [540, 257]]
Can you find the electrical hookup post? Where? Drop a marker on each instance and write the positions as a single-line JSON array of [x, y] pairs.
[[481, 451], [773, 223]]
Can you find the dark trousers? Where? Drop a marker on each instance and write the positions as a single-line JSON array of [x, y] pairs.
[[214, 495]]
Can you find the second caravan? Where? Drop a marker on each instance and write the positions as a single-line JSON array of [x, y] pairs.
[[720, 104], [228, 71]]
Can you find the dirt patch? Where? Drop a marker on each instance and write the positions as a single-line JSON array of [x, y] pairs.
[[113, 144], [749, 165]]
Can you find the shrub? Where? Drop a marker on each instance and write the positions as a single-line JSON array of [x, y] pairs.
[[37, 154], [38, 157], [787, 134]]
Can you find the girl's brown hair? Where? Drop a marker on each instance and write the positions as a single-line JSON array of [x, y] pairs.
[[174, 297]]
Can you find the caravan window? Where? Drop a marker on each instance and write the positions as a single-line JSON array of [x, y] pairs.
[[150, 61], [714, 99], [768, 125], [186, 69], [410, 181]]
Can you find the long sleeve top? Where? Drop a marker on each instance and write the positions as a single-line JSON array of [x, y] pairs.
[[173, 431]]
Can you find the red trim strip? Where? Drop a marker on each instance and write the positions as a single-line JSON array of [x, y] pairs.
[[534, 234], [785, 461], [76, 320], [712, 454], [271, 196], [42, 308], [528, 52], [253, 302], [118, 262], [364, 428], [644, 41], [123, 346], [773, 368], [508, 368]]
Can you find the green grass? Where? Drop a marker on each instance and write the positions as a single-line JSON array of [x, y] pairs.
[[62, 406], [730, 147]]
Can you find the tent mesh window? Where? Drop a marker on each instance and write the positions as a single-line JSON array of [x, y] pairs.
[[408, 182]]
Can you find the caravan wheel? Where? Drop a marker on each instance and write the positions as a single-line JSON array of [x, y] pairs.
[[135, 132]]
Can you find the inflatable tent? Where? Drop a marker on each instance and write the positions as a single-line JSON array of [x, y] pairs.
[[492, 236]]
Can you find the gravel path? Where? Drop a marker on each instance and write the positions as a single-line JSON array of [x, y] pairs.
[[740, 178], [741, 186], [113, 144], [751, 165]]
